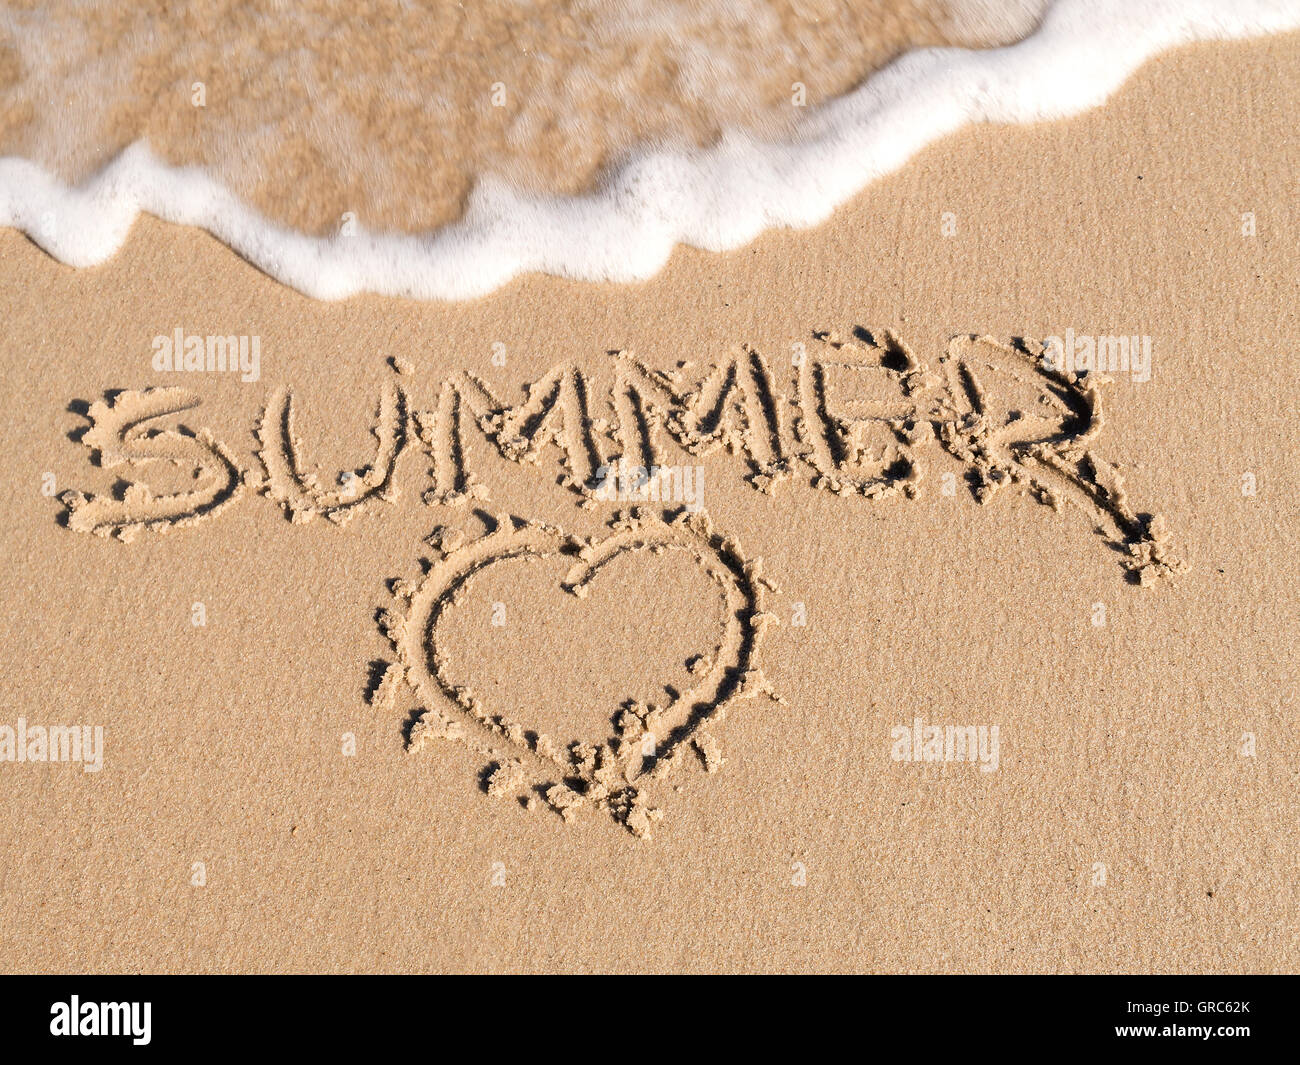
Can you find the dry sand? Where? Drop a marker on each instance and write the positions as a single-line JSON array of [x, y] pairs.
[[1129, 825]]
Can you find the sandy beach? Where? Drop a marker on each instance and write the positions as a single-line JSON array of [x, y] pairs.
[[932, 654]]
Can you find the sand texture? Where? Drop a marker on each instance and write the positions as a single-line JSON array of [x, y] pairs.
[[927, 648]]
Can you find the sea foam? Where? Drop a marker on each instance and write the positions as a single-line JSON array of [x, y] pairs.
[[716, 199]]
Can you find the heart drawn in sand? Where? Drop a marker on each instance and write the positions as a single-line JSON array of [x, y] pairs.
[[611, 772]]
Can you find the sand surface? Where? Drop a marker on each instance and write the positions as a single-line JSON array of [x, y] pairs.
[[270, 797]]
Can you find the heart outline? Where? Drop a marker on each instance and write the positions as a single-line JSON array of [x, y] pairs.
[[604, 774]]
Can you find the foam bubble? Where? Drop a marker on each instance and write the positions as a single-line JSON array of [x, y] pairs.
[[715, 199]]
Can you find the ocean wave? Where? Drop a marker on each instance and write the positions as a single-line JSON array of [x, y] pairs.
[[715, 198]]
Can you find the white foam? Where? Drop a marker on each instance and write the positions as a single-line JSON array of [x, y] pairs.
[[715, 199]]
